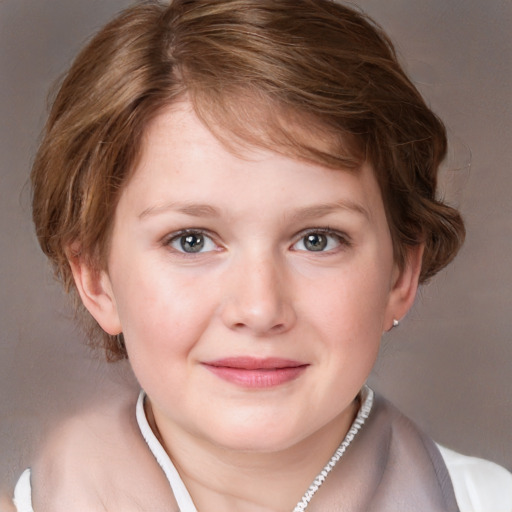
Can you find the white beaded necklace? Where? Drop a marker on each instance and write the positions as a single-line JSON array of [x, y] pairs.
[[362, 415]]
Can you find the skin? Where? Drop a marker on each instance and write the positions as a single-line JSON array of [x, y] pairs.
[[6, 504], [255, 289]]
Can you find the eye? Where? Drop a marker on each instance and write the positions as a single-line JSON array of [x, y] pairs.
[[320, 241], [192, 242]]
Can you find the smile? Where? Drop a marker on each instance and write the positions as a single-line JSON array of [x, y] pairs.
[[256, 373]]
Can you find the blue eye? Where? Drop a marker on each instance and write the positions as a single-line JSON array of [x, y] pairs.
[[319, 241], [192, 242]]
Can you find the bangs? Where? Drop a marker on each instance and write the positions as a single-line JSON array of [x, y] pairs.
[[242, 118]]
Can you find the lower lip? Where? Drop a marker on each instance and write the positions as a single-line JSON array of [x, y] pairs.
[[257, 378]]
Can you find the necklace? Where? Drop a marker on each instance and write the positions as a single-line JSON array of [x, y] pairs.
[[362, 415]]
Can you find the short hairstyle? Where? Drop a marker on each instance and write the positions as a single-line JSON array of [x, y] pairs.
[[256, 72]]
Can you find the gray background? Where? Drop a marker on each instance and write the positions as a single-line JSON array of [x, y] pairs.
[[448, 365]]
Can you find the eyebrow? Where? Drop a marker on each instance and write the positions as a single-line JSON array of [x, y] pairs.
[[322, 210], [301, 214], [191, 209]]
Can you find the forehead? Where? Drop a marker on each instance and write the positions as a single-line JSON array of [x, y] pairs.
[[182, 161], [246, 118], [249, 135], [251, 123]]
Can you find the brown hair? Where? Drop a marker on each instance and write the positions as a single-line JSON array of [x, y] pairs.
[[255, 72]]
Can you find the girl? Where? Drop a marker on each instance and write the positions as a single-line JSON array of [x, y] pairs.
[[243, 195]]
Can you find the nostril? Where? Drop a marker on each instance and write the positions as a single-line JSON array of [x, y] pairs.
[[274, 329]]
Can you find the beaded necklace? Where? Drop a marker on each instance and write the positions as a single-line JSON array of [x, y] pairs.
[[362, 415]]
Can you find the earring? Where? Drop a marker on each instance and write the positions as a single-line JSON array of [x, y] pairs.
[[396, 323]]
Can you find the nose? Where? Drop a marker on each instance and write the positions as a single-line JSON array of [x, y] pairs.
[[258, 298]]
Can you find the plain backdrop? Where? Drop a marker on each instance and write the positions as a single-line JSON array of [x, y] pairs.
[[448, 365]]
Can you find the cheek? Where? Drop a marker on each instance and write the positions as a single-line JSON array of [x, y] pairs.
[[161, 313], [354, 302], [353, 319], [350, 315]]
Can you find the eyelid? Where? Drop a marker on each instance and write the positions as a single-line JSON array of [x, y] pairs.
[[342, 237], [171, 237]]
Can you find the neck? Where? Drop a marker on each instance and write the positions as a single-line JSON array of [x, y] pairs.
[[221, 479]]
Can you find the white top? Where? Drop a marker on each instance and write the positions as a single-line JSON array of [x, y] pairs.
[[480, 485]]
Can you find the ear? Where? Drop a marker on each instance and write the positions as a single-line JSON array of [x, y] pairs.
[[404, 286], [95, 290]]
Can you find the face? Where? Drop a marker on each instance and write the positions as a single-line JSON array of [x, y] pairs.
[[252, 289]]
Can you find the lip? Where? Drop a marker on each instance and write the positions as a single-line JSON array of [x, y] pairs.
[[252, 372]]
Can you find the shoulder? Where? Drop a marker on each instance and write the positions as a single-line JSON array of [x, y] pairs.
[[97, 461], [480, 485]]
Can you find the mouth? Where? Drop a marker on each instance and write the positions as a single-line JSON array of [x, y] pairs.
[[251, 372]]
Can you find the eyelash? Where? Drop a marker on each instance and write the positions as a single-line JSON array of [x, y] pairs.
[[175, 237], [341, 238]]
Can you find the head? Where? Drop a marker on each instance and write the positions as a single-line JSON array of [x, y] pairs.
[[307, 79]]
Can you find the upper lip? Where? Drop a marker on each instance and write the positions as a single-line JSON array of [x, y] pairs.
[[255, 363]]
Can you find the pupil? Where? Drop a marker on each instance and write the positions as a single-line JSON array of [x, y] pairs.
[[192, 243], [315, 242]]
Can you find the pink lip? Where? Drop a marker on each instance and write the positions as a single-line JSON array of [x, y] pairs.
[[251, 372]]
